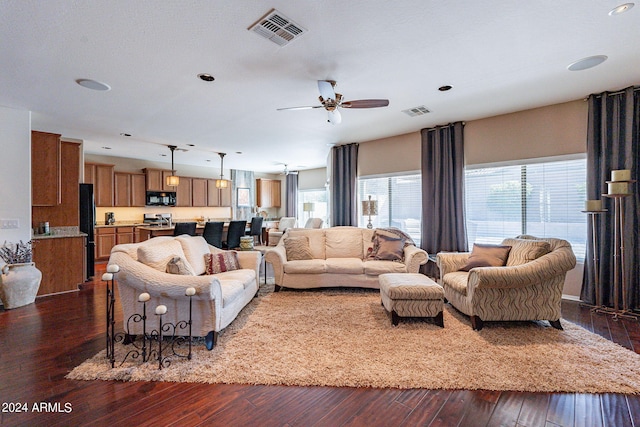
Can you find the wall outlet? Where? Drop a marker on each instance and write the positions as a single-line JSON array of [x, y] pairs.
[[9, 223]]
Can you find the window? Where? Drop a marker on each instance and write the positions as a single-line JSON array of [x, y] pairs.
[[399, 203], [320, 206], [542, 199]]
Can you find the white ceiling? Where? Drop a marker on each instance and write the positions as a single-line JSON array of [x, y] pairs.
[[499, 56]]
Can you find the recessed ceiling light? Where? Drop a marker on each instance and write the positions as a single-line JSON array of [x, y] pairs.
[[124, 134], [445, 88], [106, 148], [93, 84], [586, 63], [238, 152], [163, 155], [208, 160], [190, 145], [206, 77], [620, 9]]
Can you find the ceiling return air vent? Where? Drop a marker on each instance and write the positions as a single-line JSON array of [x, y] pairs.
[[416, 111], [276, 27]]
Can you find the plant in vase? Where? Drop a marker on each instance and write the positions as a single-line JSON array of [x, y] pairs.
[[20, 279]]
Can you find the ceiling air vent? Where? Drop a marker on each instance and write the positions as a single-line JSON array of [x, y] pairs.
[[278, 28], [416, 111]]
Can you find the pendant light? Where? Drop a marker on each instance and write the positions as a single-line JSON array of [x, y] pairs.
[[222, 183], [173, 180]]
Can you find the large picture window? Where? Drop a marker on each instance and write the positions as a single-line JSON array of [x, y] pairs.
[[543, 199], [315, 199], [399, 203]]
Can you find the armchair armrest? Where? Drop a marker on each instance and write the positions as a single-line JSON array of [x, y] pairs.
[[414, 257], [448, 262], [277, 257]]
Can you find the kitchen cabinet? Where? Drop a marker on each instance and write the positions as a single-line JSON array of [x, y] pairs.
[[183, 192], [125, 235], [129, 189], [102, 178], [156, 179], [105, 241], [198, 192], [268, 193], [218, 196], [61, 261], [45, 169]]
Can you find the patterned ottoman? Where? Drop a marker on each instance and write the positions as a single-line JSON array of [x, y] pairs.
[[411, 295]]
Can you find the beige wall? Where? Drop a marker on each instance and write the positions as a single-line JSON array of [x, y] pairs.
[[399, 153], [312, 179]]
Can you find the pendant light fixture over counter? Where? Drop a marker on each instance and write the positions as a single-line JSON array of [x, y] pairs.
[[173, 180], [222, 183]]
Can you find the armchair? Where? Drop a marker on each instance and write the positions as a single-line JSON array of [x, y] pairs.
[[314, 223], [276, 233], [529, 287]]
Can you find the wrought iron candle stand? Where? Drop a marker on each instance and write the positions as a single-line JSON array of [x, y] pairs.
[[150, 346], [594, 213]]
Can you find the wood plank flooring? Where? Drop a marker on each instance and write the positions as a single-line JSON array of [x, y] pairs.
[[41, 343]]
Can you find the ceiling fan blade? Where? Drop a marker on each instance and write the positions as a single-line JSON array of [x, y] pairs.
[[306, 107], [326, 89], [365, 103], [335, 117]]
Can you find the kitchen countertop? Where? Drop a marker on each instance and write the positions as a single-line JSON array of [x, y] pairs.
[[58, 235]]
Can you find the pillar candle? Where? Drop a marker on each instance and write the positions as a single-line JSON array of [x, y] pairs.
[[190, 291], [107, 276], [593, 205], [161, 309], [618, 188], [144, 297], [621, 175], [113, 268]]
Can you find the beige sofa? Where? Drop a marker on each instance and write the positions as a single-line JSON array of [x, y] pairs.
[[339, 259], [528, 287], [218, 299]]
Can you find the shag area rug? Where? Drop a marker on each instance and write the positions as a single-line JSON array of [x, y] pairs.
[[344, 338]]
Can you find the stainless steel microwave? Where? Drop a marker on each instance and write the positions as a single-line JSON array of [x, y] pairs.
[[161, 198]]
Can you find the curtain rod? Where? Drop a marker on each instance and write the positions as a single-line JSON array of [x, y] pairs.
[[617, 92]]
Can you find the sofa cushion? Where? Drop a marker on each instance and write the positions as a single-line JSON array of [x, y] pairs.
[[457, 281], [178, 265], [344, 242], [297, 248], [316, 238], [195, 248], [345, 265], [389, 248], [484, 255], [526, 250], [376, 268], [231, 290], [158, 255], [245, 276], [221, 262], [310, 266]]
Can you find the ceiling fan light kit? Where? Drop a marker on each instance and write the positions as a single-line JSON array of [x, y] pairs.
[[173, 180], [331, 101]]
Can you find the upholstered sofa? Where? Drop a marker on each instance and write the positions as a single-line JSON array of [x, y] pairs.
[[218, 299], [339, 256], [528, 287]]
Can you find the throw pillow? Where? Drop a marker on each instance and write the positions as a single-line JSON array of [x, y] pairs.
[[297, 248], [178, 265], [487, 256], [390, 248], [157, 255], [221, 262], [526, 250], [391, 232]]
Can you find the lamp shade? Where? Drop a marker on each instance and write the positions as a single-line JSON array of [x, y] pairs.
[[369, 207], [173, 181], [222, 183], [308, 207]]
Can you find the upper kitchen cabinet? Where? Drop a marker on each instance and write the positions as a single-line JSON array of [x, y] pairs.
[[102, 178], [183, 192], [157, 179], [199, 192], [268, 193], [220, 197], [129, 189], [45, 169]]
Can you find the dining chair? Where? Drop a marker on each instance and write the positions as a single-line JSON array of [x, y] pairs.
[[213, 233], [184, 228], [256, 229], [235, 231]]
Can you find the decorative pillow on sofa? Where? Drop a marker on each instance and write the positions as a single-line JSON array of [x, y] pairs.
[[487, 256], [387, 235], [526, 250], [158, 255], [297, 248], [178, 265], [221, 262], [389, 248]]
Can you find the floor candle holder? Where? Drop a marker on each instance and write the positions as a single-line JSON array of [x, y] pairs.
[[593, 216]]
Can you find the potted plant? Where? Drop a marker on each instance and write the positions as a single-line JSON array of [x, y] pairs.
[[20, 279]]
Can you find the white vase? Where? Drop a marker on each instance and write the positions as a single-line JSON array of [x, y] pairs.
[[19, 284]]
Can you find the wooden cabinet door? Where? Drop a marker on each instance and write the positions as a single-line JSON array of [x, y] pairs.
[[105, 241], [89, 173], [138, 192], [225, 196], [275, 193], [153, 179], [213, 193], [122, 194], [45, 169], [183, 192], [165, 187], [198, 192], [124, 235], [60, 276], [103, 186]]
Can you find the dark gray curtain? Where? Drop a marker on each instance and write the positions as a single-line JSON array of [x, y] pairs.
[[292, 195], [344, 174], [613, 140], [443, 220], [242, 179]]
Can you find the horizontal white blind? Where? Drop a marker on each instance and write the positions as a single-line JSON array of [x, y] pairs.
[[541, 199], [399, 202]]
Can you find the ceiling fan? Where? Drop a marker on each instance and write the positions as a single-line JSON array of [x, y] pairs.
[[331, 101], [287, 171]]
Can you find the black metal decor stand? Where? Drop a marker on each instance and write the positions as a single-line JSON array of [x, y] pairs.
[[593, 215], [146, 350]]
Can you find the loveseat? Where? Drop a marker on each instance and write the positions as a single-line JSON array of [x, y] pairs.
[[525, 282], [341, 256], [219, 297]]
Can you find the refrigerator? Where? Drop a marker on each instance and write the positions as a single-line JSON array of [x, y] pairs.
[[87, 223]]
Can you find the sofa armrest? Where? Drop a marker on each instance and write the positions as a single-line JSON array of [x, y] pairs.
[[250, 260], [277, 257], [414, 257], [448, 262]]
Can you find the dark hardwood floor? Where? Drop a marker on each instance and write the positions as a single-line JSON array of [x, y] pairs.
[[41, 343]]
